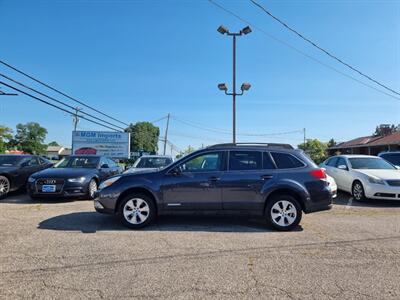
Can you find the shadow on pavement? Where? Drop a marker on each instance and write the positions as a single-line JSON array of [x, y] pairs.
[[20, 197], [90, 222], [346, 199]]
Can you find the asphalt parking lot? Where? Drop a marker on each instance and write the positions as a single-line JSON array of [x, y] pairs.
[[66, 250]]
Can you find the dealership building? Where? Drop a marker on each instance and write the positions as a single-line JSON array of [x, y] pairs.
[[370, 145]]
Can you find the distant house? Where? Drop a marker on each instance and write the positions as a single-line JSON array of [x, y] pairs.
[[57, 152], [370, 145]]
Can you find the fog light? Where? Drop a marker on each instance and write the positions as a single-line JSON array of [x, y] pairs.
[[98, 205]]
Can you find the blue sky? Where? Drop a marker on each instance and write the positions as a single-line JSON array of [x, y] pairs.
[[139, 60]]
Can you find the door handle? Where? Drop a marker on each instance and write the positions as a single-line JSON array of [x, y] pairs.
[[214, 178], [266, 177]]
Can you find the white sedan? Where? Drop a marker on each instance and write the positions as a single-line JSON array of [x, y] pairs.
[[364, 176]]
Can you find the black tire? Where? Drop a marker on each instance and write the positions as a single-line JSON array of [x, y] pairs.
[[131, 220], [357, 191], [6, 185], [292, 212], [90, 192]]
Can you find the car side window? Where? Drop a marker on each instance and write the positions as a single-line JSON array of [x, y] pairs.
[[286, 161], [332, 162], [207, 162], [267, 161], [245, 160], [341, 161], [33, 162], [111, 163]]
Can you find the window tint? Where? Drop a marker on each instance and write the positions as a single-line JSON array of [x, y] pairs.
[[245, 160], [332, 162], [286, 161], [341, 161], [33, 161], [392, 158], [203, 163], [267, 161]]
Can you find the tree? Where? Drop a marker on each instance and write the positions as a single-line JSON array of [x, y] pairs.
[[187, 151], [30, 138], [331, 143], [5, 136], [315, 149], [144, 137], [53, 143]]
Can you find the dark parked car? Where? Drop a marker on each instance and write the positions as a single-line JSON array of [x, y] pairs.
[[392, 157], [73, 176], [15, 170], [270, 180]]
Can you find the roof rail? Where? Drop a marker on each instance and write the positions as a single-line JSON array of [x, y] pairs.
[[264, 145]]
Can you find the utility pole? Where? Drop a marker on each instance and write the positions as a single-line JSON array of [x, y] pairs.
[[245, 86], [304, 137], [76, 117], [166, 134]]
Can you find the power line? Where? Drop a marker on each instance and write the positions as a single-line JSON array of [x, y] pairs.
[[316, 60], [56, 106], [322, 49], [58, 91], [58, 101], [225, 131]]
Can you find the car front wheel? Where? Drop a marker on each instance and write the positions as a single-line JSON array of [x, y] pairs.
[[4, 186], [92, 188], [358, 191], [136, 211], [283, 212]]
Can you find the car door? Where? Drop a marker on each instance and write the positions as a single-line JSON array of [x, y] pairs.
[[243, 181], [104, 170], [194, 183], [29, 166], [341, 174]]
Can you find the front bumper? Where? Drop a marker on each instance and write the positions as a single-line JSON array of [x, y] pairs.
[[68, 190], [383, 192]]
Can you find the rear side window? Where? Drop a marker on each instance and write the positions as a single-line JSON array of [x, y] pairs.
[[245, 160], [286, 161]]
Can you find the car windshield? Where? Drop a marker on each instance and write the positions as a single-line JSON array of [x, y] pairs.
[[9, 161], [392, 158], [370, 163], [152, 162], [78, 162]]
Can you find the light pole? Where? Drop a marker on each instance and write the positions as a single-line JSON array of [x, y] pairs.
[[245, 86]]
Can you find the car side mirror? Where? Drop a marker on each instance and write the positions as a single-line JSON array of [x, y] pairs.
[[104, 166], [343, 167], [175, 171]]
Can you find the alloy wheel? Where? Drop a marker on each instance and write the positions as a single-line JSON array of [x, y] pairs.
[[283, 213], [136, 211], [358, 191], [92, 188], [4, 186]]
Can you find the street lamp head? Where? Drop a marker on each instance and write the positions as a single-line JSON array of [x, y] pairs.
[[245, 87], [246, 30], [222, 30], [222, 87]]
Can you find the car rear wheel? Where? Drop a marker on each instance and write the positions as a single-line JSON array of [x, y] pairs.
[[283, 212], [92, 188], [4, 186], [358, 191], [136, 211]]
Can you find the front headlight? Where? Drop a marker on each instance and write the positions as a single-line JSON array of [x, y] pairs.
[[108, 182], [375, 180], [31, 180], [79, 179]]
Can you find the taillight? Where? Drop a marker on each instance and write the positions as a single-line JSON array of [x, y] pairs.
[[318, 174]]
